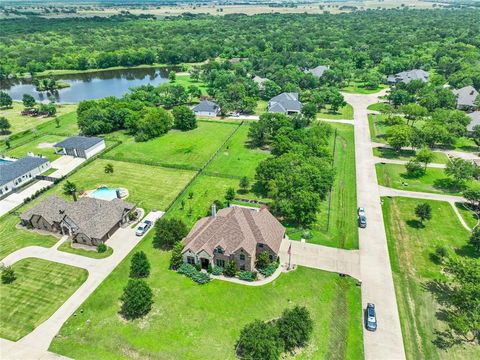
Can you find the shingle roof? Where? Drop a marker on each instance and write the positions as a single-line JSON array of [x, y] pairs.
[[206, 106], [466, 96], [284, 102], [79, 142], [318, 71], [475, 116], [94, 217], [409, 75], [234, 228], [15, 169]]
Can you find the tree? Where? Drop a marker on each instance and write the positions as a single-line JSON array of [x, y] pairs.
[[425, 156], [263, 260], [473, 197], [336, 100], [230, 269], [168, 232], [184, 118], [244, 184], [413, 112], [177, 259], [70, 189], [309, 110], [230, 195], [28, 101], [475, 135], [172, 76], [4, 125], [461, 170], [423, 212], [108, 169], [8, 275], [5, 100], [259, 341], [137, 299], [194, 92], [414, 169], [155, 122], [398, 136], [475, 239], [295, 327], [140, 266]]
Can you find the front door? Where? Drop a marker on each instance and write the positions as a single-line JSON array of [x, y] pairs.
[[204, 263]]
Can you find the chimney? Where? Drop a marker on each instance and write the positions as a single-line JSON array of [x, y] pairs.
[[214, 210]]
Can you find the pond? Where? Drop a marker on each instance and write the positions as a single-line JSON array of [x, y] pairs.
[[88, 86]]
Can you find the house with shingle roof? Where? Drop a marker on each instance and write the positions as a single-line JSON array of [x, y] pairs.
[[407, 76], [475, 120], [87, 221], [80, 146], [285, 103], [15, 173], [206, 108], [466, 97], [234, 233], [260, 82], [318, 71]]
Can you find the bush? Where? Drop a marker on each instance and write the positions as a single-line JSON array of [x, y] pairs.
[[259, 340], [8, 275], [217, 270], [414, 169], [295, 327], [139, 267], [231, 269], [101, 248], [190, 271], [168, 232], [201, 278], [137, 299], [247, 275], [263, 260], [209, 269], [176, 260], [269, 270]]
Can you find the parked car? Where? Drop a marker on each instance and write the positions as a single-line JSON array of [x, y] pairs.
[[370, 318], [362, 221], [143, 227], [361, 211]]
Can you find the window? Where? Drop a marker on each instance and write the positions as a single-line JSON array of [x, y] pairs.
[[191, 260], [220, 250], [242, 268], [271, 257], [242, 257], [220, 263]]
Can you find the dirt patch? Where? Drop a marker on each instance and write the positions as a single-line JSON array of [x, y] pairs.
[[45, 145]]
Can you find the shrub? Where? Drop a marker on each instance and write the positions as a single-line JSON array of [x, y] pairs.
[[263, 260], [176, 260], [139, 267], [414, 169], [295, 327], [259, 340], [101, 248], [137, 299], [209, 269], [201, 278], [217, 270], [198, 266], [8, 275], [191, 272], [269, 270], [168, 232], [247, 275], [231, 269]]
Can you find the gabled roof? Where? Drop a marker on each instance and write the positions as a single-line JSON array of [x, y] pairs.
[[284, 102], [475, 116], [235, 228], [318, 71], [409, 75], [466, 96], [259, 80], [15, 169], [207, 106], [79, 142], [93, 217]]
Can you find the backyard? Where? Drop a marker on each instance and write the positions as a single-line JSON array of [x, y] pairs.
[[40, 289], [42, 145], [411, 247]]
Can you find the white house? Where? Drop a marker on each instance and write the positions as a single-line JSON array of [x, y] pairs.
[[14, 174], [206, 108], [80, 146]]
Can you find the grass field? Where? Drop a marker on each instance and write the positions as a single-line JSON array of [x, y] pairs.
[[380, 106], [434, 181], [387, 153], [357, 87], [40, 289], [35, 146], [150, 187], [410, 248], [345, 113], [190, 149], [188, 321], [20, 123], [67, 247], [338, 228], [468, 215], [186, 81], [236, 158], [13, 239]]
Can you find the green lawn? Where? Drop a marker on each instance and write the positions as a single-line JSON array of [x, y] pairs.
[[189, 321], [410, 248], [186, 81], [67, 247], [338, 227], [12, 239], [380, 106], [344, 113], [434, 181], [189, 149], [38, 146], [40, 289], [378, 129], [387, 153], [236, 158], [150, 187], [261, 107], [20, 123], [357, 87], [467, 215]]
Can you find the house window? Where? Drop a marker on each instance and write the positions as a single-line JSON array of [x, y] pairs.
[[271, 257], [220, 263], [191, 260], [260, 245], [220, 250], [242, 267], [242, 257]]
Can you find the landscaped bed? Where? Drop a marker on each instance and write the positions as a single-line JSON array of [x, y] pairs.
[[93, 253], [40, 289]]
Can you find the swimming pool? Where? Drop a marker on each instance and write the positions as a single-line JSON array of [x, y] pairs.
[[104, 193]]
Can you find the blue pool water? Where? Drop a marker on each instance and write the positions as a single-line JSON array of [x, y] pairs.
[[104, 193]]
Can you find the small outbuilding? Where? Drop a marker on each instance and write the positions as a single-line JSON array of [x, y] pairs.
[[80, 146], [206, 108]]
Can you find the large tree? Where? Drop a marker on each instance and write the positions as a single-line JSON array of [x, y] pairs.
[[295, 327], [154, 122], [5, 99], [137, 299], [184, 118], [259, 341], [28, 101], [168, 232], [460, 170], [139, 266], [4, 125]]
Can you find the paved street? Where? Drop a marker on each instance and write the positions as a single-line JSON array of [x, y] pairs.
[[377, 282]]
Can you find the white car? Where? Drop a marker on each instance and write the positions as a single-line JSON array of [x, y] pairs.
[[361, 211], [143, 227]]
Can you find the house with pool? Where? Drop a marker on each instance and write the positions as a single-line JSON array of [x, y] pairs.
[[88, 221], [80, 146]]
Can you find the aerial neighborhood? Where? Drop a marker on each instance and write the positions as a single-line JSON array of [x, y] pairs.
[[202, 181]]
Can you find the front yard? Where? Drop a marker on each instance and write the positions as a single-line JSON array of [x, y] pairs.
[[387, 153]]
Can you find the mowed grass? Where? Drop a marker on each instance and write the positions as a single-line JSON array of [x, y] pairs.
[[188, 321], [12, 239], [186, 81], [434, 180], [387, 153], [189, 149], [410, 248], [357, 87], [20, 123], [236, 158], [345, 113], [40, 289], [150, 187], [67, 247], [38, 146], [468, 215], [337, 227]]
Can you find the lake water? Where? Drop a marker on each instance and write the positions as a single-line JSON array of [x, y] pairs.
[[88, 86]]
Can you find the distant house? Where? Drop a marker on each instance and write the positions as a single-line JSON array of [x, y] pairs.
[[475, 120], [14, 174], [206, 108], [80, 146], [318, 71], [466, 98], [407, 76], [87, 221], [285, 103], [235, 233], [260, 82]]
